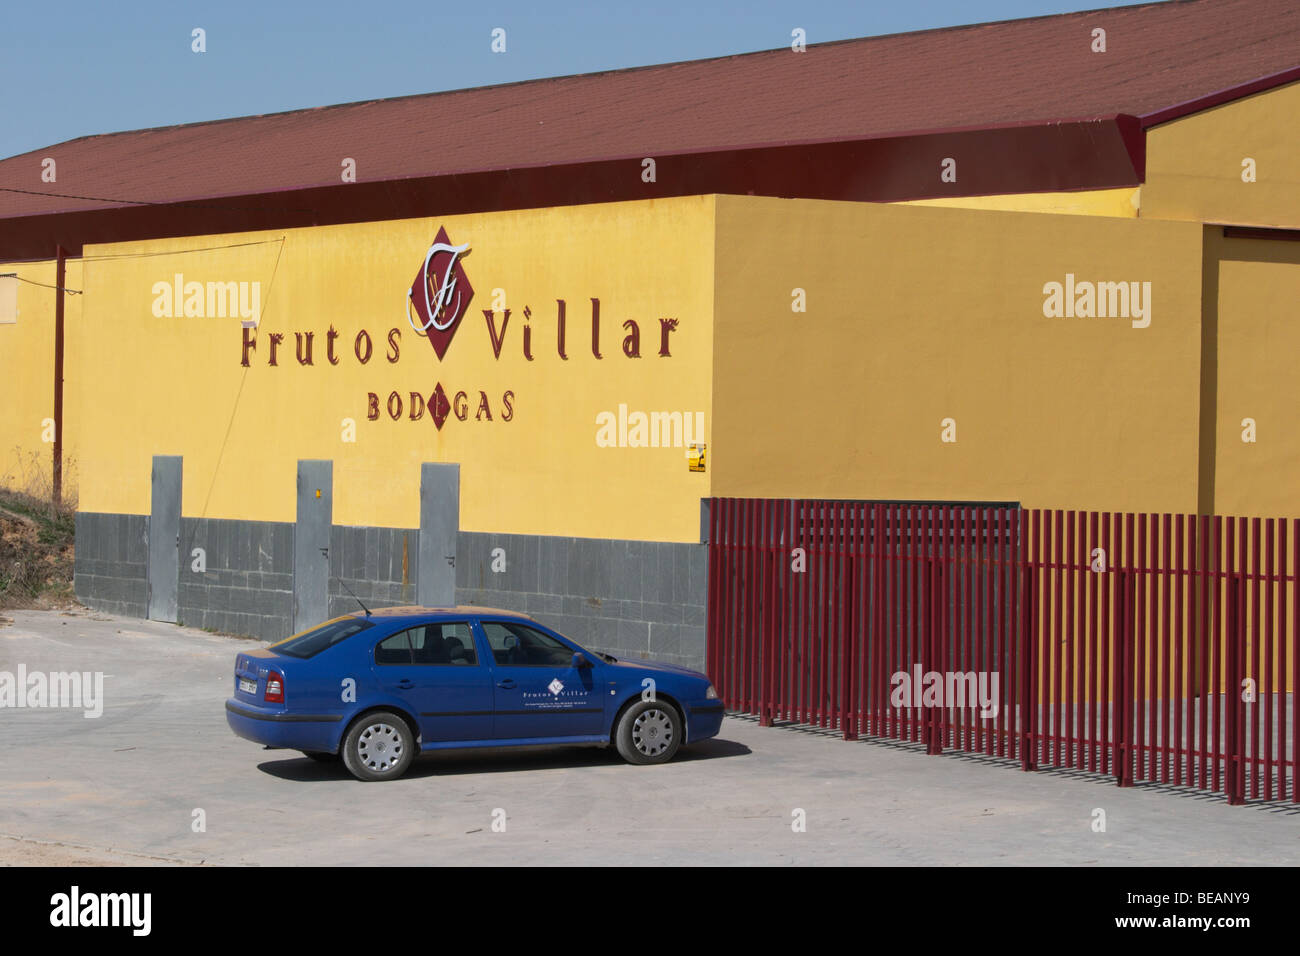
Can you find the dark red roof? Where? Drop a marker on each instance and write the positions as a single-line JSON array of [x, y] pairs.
[[1035, 72]]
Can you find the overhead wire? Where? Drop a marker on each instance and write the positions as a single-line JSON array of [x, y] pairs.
[[155, 202], [143, 255], [43, 285]]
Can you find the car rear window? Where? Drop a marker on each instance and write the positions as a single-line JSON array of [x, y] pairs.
[[311, 642]]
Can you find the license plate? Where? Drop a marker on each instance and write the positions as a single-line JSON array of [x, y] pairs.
[[247, 686]]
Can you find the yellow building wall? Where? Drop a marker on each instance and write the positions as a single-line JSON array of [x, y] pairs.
[[1194, 164], [917, 315], [1258, 351], [27, 382], [1118, 203], [175, 386]]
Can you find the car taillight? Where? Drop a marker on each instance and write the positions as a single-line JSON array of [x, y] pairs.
[[274, 688]]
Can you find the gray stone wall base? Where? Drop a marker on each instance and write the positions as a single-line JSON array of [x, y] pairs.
[[632, 599]]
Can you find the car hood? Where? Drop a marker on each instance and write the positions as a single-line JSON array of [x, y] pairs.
[[662, 668]]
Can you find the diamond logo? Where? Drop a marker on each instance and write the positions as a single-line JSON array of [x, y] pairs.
[[439, 297], [555, 687], [439, 406]]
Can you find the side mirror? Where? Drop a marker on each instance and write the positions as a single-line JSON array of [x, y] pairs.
[[580, 660]]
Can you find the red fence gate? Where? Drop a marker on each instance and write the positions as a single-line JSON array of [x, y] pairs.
[[1151, 647]]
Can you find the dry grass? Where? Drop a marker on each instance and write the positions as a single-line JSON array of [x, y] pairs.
[[36, 551]]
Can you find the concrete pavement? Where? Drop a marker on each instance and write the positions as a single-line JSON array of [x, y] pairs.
[[125, 787]]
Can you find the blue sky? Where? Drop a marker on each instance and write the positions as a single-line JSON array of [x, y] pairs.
[[75, 68]]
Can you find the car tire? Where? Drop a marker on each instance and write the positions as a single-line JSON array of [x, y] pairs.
[[379, 746], [650, 731], [321, 756]]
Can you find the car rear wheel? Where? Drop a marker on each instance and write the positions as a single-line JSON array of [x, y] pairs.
[[322, 756], [650, 731], [379, 746]]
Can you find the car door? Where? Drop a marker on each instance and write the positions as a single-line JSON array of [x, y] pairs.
[[537, 692], [437, 671]]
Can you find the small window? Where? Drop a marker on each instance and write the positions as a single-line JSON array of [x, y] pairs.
[[395, 649], [448, 643], [311, 642], [517, 645]]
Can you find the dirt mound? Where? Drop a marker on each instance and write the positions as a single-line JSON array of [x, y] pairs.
[[36, 553]]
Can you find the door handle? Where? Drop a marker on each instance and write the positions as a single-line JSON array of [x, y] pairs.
[[506, 684], [405, 683]]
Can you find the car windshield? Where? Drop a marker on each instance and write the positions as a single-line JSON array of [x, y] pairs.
[[311, 642]]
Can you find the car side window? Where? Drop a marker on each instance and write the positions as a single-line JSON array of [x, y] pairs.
[[518, 645], [395, 649], [447, 643]]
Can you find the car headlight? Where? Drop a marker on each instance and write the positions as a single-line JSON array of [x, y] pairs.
[[711, 694]]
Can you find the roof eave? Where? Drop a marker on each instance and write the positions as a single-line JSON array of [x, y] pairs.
[[1220, 97]]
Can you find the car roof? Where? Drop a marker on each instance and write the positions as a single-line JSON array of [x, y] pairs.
[[443, 613]]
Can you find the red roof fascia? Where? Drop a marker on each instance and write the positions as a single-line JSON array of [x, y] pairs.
[[1220, 97]]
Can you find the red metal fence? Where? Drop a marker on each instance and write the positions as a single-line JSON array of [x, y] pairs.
[[1152, 647]]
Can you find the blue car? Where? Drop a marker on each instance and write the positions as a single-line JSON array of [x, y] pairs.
[[376, 688]]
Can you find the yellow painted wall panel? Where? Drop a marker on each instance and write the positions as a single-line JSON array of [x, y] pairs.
[[1118, 203], [27, 383], [915, 315], [1258, 351], [1194, 164], [176, 385]]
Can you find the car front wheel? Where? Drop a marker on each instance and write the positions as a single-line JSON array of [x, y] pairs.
[[650, 731], [379, 746]]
